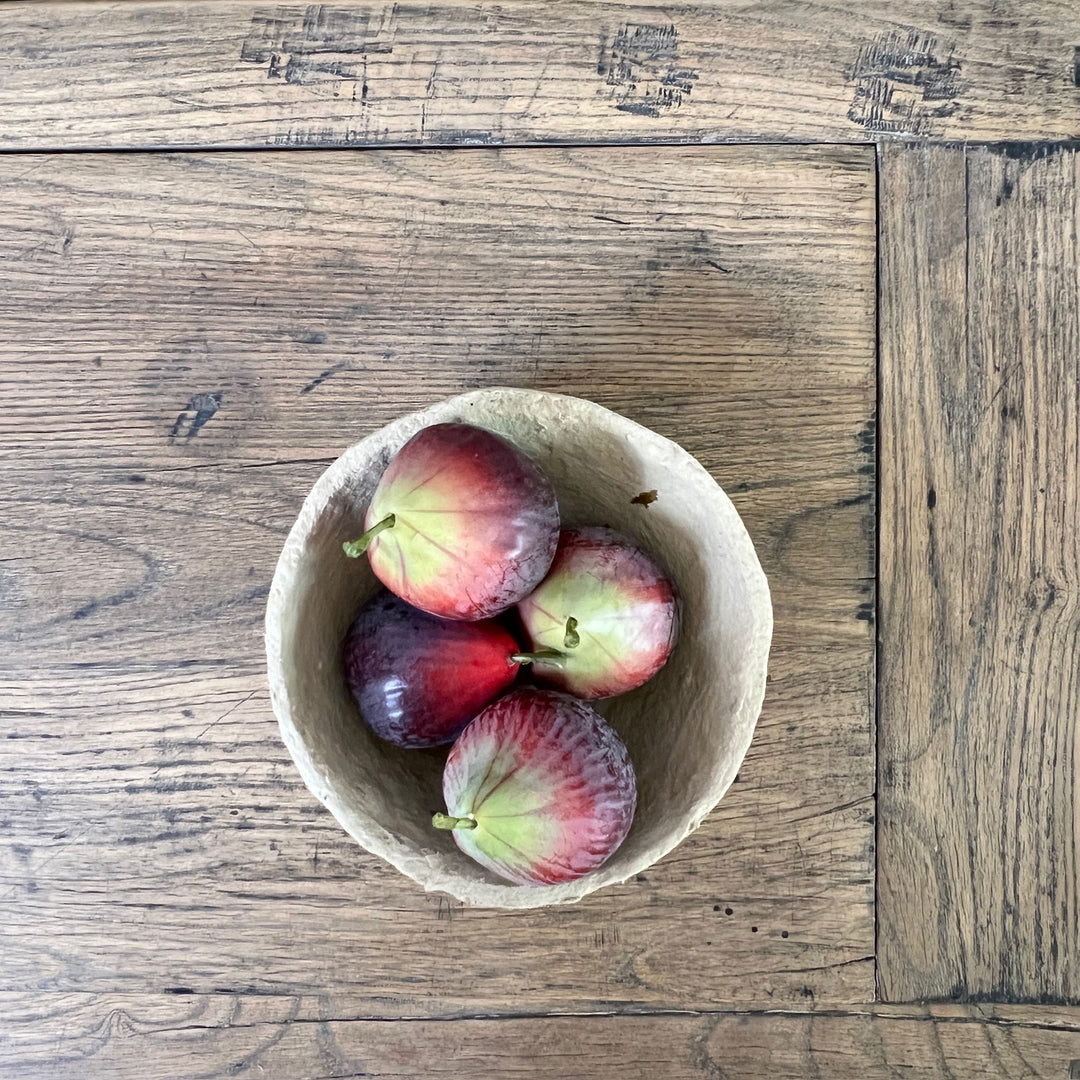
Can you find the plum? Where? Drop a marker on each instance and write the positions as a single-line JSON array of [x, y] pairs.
[[462, 524], [419, 679], [538, 788], [608, 608]]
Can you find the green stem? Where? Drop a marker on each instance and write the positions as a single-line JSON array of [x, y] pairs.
[[540, 654], [355, 548], [447, 821], [572, 639]]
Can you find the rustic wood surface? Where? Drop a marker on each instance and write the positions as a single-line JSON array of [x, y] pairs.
[[262, 74], [980, 522], [186, 341], [267, 1038]]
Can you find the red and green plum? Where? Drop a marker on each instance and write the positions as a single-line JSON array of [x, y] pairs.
[[608, 608], [462, 524], [539, 788]]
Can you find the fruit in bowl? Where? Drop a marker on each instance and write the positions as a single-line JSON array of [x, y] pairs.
[[462, 523], [609, 611], [538, 788], [418, 679]]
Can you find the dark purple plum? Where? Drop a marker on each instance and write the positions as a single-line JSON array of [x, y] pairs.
[[419, 679]]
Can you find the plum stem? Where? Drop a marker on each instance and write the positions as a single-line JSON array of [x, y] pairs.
[[448, 821], [355, 548], [572, 639], [540, 654]]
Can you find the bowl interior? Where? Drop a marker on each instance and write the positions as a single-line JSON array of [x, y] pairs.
[[686, 730]]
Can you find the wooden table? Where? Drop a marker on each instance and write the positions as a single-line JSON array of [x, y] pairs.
[[832, 253]]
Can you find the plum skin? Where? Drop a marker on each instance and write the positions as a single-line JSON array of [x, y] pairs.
[[625, 608], [547, 784], [419, 679], [476, 523]]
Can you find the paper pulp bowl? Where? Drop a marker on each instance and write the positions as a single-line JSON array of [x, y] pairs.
[[686, 730]]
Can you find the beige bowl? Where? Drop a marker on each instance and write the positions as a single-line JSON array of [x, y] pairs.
[[687, 730]]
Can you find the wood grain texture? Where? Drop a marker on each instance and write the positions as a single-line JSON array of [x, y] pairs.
[[261, 74], [979, 751], [186, 341], [112, 1037]]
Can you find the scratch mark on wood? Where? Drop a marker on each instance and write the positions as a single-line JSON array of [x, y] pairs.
[[329, 373], [901, 84], [245, 236], [641, 64], [626, 973], [226, 713], [67, 842], [310, 337], [196, 413], [318, 43], [447, 909], [867, 438], [700, 1057], [463, 137]]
